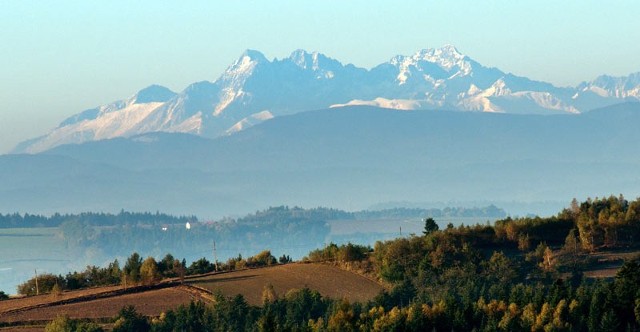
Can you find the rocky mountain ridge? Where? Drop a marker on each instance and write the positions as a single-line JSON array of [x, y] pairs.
[[254, 89]]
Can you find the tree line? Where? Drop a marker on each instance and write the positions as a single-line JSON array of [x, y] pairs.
[[17, 220], [516, 275], [558, 306], [272, 214], [139, 271], [609, 222]]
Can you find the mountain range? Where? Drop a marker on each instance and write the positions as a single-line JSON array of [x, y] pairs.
[[254, 89], [345, 157], [433, 129]]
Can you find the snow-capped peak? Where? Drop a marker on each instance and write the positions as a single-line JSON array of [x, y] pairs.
[[447, 57], [252, 55], [235, 77], [499, 88], [245, 64], [324, 66], [445, 62], [451, 50], [611, 86], [433, 78], [151, 94], [304, 59]]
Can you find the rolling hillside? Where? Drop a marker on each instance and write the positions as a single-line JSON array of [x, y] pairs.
[[104, 303]]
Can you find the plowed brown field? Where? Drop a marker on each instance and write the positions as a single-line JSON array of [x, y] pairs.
[[150, 303], [107, 301], [330, 281]]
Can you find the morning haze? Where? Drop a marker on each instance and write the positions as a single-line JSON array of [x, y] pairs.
[[329, 166]]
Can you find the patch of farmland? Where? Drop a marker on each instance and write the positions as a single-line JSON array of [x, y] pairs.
[[330, 281], [31, 301], [33, 312], [150, 303]]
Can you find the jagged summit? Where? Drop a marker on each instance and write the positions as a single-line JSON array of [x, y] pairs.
[[445, 55], [436, 63], [323, 66], [313, 60], [302, 58], [245, 63], [254, 89], [611, 86], [450, 48]]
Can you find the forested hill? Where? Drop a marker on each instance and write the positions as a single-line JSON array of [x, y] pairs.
[[522, 274], [270, 215], [26, 220]]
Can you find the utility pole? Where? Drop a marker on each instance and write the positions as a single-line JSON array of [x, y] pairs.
[[215, 256], [37, 288], [400, 231]]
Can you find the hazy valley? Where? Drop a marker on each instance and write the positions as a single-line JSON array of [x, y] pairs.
[[429, 192]]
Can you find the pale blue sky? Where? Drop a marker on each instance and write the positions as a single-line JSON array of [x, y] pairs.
[[58, 58]]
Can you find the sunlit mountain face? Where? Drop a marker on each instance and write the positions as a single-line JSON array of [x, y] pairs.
[[254, 89]]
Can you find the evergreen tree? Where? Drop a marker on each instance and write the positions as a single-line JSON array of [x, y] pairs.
[[132, 267], [430, 226], [129, 320]]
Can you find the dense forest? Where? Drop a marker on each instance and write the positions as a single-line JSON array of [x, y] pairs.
[[519, 274]]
